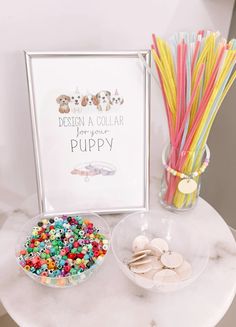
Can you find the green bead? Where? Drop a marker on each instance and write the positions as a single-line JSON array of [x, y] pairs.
[[64, 257], [36, 249], [79, 249], [29, 250], [73, 271], [74, 250], [43, 256]]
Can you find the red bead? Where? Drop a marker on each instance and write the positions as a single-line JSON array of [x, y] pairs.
[[76, 244], [37, 265], [67, 249], [63, 252], [73, 221], [71, 256], [67, 269], [34, 261], [80, 255]]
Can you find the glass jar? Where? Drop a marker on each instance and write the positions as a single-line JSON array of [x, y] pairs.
[[181, 179]]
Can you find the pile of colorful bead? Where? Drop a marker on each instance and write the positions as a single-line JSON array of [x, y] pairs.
[[64, 246]]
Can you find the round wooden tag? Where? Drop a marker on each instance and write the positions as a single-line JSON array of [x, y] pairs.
[[187, 186], [172, 259]]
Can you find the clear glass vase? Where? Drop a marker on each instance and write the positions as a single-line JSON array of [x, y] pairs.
[[181, 179]]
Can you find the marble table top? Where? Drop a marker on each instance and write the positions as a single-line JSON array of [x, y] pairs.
[[108, 298]]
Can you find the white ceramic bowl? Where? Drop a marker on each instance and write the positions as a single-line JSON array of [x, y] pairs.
[[62, 282], [181, 234]]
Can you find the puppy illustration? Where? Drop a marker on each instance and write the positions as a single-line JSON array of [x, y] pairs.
[[76, 102], [89, 100], [116, 99], [63, 101], [103, 100]]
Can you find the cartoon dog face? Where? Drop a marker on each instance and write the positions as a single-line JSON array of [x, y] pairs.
[[76, 99], [103, 100], [116, 99], [103, 97], [89, 100], [63, 99], [76, 102]]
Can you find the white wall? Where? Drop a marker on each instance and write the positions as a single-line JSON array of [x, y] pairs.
[[80, 25], [219, 184]]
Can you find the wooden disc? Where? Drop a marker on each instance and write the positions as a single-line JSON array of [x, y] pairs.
[[158, 246], [140, 262], [172, 260], [187, 186], [166, 276], [141, 269], [139, 243], [134, 259], [184, 271], [139, 253]]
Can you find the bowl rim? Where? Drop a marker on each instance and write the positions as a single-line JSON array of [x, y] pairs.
[[93, 268]]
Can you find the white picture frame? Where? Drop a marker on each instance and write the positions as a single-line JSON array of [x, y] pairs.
[[90, 122]]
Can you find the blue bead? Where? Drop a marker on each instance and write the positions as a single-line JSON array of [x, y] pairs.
[[62, 262]]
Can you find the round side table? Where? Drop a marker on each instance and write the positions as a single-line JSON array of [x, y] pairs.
[[108, 298]]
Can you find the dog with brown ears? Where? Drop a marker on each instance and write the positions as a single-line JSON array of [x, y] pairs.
[[89, 100], [103, 100], [63, 101]]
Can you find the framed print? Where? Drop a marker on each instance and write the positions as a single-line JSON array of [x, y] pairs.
[[90, 118]]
